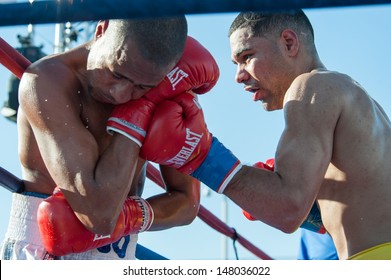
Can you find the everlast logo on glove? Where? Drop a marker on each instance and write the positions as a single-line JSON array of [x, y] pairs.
[[192, 140], [99, 237], [175, 76]]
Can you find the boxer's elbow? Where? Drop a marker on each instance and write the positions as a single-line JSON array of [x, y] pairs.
[[289, 227], [290, 218], [191, 214], [186, 214]]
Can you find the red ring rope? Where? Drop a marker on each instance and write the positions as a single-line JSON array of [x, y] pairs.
[[12, 59]]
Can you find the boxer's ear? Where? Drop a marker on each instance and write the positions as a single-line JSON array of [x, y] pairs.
[[101, 28], [291, 42]]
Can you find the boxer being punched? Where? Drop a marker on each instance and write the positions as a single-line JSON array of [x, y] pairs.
[[335, 150], [77, 138]]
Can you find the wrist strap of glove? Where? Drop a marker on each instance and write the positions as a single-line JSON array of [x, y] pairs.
[[127, 129], [218, 168], [313, 222], [147, 213]]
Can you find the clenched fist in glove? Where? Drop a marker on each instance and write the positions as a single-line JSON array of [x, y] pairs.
[[62, 233], [196, 71], [178, 137]]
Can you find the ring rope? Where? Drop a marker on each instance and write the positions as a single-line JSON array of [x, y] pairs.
[[205, 215], [12, 59]]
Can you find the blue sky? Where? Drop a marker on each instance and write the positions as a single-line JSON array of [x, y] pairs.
[[354, 40]]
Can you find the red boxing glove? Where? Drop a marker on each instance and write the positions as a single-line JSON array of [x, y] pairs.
[[248, 216], [131, 119], [268, 165], [178, 137], [177, 122], [62, 232], [197, 71]]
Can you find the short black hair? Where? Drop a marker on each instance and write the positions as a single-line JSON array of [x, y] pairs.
[[262, 24], [160, 40]]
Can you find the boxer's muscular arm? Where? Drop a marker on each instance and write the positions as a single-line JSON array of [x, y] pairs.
[[70, 152], [179, 204], [284, 198], [314, 220]]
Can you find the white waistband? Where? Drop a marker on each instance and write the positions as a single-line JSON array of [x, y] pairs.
[[23, 224]]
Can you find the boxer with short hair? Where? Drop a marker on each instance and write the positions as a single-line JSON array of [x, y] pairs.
[[82, 119], [335, 150]]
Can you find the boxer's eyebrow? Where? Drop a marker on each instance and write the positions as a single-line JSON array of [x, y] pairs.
[[238, 53]]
